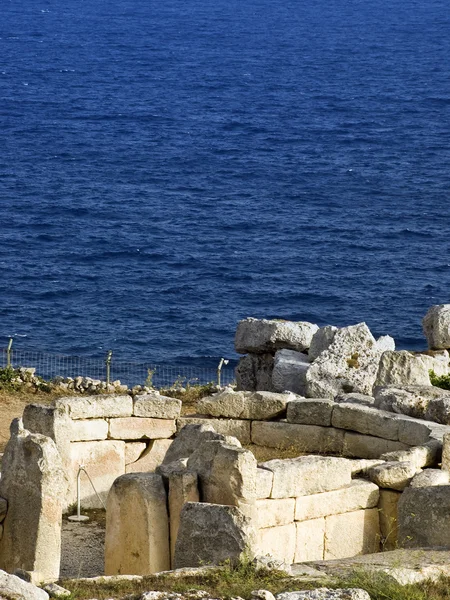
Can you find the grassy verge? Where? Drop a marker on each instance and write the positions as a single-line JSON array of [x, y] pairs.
[[231, 582]]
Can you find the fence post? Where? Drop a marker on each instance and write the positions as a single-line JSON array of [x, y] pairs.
[[223, 361], [108, 367], [8, 353]]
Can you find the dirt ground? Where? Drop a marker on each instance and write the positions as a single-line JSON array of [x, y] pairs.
[[83, 546]]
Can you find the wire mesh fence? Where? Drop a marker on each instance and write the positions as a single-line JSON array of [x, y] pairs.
[[48, 366]]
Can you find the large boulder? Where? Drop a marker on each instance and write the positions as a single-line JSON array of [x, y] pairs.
[[14, 588], [436, 326], [245, 405], [419, 401], [289, 371], [424, 517], [402, 368], [321, 340], [254, 372], [210, 534], [350, 364], [189, 438], [259, 336], [227, 474], [34, 484]]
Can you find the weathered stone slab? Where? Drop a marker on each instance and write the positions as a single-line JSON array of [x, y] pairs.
[[427, 455], [183, 487], [89, 430], [421, 402], [104, 461], [310, 540], [307, 475], [264, 481], [393, 475], [245, 405], [350, 364], [364, 419], [227, 474], [273, 513], [385, 343], [137, 526], [136, 428], [254, 372], [355, 398], [261, 335], [238, 428], [155, 406], [430, 477], [310, 411], [403, 368], [12, 587], [387, 512], [436, 326], [352, 533], [305, 438], [360, 466], [289, 371], [321, 341], [359, 494], [53, 422], [212, 533], [424, 517], [152, 458], [278, 542], [412, 431], [34, 484], [326, 594], [96, 407], [367, 446], [133, 451]]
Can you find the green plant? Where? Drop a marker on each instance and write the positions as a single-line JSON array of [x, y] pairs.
[[149, 379], [440, 381]]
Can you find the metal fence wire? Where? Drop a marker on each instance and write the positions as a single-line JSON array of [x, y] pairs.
[[48, 366]]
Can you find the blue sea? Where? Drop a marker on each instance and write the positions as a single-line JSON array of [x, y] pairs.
[[170, 167]]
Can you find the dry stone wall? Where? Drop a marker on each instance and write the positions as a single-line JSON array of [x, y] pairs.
[[163, 475]]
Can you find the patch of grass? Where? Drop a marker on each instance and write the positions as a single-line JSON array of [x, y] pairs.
[[381, 586], [225, 582], [440, 381], [264, 453], [189, 394], [231, 581]]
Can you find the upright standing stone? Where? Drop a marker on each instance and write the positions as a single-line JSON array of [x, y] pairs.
[[436, 326], [34, 484], [54, 422], [183, 487], [137, 526], [289, 371], [227, 474]]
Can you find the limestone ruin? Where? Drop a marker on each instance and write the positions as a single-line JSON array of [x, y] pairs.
[[370, 433]]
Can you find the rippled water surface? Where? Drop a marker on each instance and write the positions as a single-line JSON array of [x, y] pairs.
[[167, 168]]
